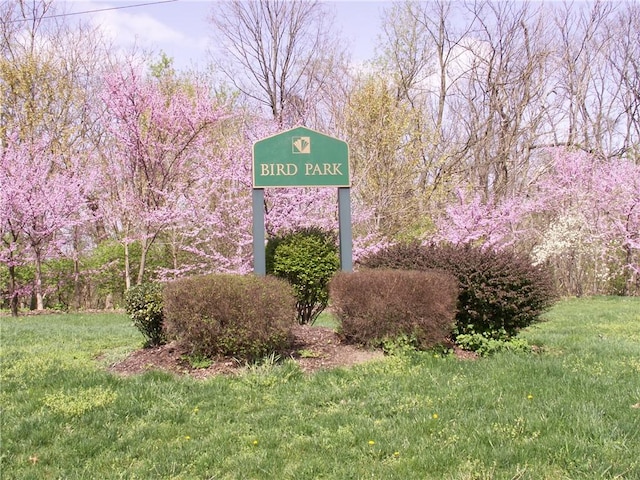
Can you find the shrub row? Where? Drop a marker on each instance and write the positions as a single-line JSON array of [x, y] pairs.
[[241, 316], [409, 292], [374, 307], [499, 291]]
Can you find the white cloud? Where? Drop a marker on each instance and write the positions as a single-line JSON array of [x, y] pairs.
[[127, 28], [154, 28]]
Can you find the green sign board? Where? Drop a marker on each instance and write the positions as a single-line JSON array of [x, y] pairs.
[[300, 158]]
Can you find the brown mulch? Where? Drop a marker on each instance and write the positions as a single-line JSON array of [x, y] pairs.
[[315, 348]]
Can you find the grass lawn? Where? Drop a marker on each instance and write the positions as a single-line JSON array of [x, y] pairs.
[[569, 412]]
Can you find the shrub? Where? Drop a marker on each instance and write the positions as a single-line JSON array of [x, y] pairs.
[[498, 290], [307, 258], [246, 317], [144, 304], [486, 345], [378, 307]]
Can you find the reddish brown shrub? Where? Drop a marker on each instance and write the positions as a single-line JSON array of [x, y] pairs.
[[377, 305], [243, 316], [499, 291]]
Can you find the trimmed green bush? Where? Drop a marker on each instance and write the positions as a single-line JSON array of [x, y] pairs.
[[376, 307], [307, 258], [241, 316], [499, 291], [144, 304]]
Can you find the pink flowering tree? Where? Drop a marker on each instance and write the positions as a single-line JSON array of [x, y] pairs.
[[488, 224], [216, 228], [42, 198], [582, 217], [160, 138], [177, 169], [171, 174]]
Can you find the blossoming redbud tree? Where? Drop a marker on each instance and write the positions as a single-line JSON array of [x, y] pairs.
[[42, 197], [582, 215]]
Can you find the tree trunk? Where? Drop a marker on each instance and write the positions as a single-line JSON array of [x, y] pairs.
[[13, 296], [38, 281], [127, 268], [77, 291], [146, 245], [143, 261]]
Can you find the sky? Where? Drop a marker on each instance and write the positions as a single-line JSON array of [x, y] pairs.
[[180, 28]]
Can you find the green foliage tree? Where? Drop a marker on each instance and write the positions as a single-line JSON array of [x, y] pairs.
[[307, 258], [384, 156]]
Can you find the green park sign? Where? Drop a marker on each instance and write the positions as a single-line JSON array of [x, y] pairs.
[[300, 157]]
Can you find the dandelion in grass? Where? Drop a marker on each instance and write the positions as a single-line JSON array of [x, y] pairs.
[[255, 442], [434, 416], [187, 437], [371, 442], [529, 397], [396, 454]]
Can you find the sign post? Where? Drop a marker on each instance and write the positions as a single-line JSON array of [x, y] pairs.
[[259, 254], [344, 219], [301, 157]]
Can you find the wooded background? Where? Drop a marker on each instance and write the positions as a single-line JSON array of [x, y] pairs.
[[504, 124]]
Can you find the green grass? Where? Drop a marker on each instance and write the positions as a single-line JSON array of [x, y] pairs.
[[326, 319], [565, 413]]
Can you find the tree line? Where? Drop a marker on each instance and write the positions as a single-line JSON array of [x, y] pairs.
[[503, 124]]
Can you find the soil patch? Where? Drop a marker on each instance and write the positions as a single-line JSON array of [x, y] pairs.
[[315, 348]]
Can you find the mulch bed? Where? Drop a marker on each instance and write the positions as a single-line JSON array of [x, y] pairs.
[[315, 348]]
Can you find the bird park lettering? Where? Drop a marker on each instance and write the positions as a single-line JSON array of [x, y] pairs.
[[300, 158], [310, 169]]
